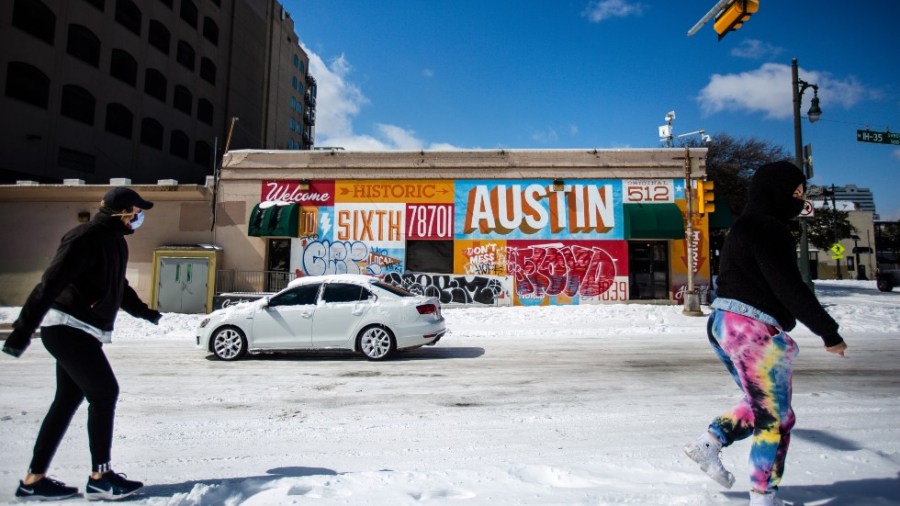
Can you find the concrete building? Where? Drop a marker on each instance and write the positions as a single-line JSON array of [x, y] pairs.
[[491, 227], [146, 89]]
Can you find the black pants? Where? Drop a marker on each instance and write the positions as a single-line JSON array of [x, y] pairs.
[[82, 372]]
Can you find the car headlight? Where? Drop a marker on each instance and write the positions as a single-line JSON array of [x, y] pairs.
[[205, 322]]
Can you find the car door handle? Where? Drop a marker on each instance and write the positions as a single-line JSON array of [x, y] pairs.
[[306, 315]]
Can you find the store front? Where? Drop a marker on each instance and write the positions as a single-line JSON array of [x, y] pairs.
[[496, 240]]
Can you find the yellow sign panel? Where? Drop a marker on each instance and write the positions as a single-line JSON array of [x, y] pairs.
[[837, 249], [409, 191]]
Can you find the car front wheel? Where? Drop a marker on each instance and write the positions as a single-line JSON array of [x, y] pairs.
[[229, 343], [376, 343], [885, 285]]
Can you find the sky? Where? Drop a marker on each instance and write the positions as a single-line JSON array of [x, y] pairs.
[[558, 405], [569, 74]]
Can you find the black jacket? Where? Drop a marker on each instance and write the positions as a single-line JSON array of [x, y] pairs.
[[86, 279], [759, 259]]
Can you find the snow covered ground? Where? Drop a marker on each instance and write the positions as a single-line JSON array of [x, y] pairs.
[[555, 405]]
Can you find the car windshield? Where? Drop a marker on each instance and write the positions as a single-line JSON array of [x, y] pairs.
[[396, 290]]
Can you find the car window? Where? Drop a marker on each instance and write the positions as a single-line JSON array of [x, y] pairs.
[[396, 290], [344, 292], [299, 296]]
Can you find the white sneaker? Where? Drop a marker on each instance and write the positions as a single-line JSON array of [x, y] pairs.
[[764, 499], [705, 451]]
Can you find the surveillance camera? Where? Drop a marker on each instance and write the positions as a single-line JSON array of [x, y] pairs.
[[706, 139], [670, 115]]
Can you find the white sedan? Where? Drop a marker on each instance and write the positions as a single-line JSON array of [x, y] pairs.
[[342, 311]]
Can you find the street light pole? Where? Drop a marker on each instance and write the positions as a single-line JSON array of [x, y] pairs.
[[798, 86]]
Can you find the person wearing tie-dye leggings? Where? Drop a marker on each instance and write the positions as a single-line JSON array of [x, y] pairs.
[[761, 295]]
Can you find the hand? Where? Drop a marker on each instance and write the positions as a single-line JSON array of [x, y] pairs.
[[151, 315], [838, 349], [16, 343]]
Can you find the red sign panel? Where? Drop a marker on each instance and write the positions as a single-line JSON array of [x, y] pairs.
[[308, 193], [429, 221]]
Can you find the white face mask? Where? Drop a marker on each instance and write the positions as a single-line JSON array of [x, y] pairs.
[[137, 221]]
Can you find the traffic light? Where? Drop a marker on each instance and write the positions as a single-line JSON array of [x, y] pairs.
[[705, 197], [733, 16]]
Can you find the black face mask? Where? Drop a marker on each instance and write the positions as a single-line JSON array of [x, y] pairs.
[[796, 207]]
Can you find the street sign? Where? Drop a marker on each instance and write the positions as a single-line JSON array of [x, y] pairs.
[[838, 251], [878, 137]]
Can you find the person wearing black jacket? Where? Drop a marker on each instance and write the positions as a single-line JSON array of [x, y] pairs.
[[75, 305], [761, 295]]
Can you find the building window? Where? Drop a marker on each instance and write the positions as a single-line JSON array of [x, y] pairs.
[[182, 99], [119, 120], [155, 84], [99, 4], [189, 12], [151, 133], [205, 111], [301, 67], [159, 36], [77, 103], [75, 160], [27, 83], [35, 18], [293, 103], [296, 61], [123, 67], [179, 144], [294, 82], [128, 15], [429, 256], [84, 45], [211, 31], [202, 153], [185, 55], [207, 70]]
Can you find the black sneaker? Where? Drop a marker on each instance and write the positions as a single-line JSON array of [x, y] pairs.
[[111, 487], [45, 489]]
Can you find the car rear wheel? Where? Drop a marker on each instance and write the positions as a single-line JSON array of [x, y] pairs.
[[885, 285], [376, 343], [229, 343]]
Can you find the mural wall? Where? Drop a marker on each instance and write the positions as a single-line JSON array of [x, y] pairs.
[[523, 242]]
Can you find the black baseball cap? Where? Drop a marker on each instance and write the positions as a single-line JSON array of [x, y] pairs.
[[122, 197]]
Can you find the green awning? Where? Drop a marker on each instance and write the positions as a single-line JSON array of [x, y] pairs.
[[653, 221], [274, 221]]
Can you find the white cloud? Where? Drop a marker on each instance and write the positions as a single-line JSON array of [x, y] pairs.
[[339, 101], [600, 10], [768, 90], [573, 130], [546, 136], [428, 72], [755, 49]]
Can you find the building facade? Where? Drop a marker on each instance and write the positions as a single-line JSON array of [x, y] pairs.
[[474, 227], [508, 227], [146, 89]]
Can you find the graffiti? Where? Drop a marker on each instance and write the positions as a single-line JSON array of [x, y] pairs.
[[702, 290], [326, 257], [347, 257], [556, 269], [485, 259], [451, 289]]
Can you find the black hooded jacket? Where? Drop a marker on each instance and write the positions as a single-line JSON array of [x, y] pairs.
[[759, 260], [86, 278]]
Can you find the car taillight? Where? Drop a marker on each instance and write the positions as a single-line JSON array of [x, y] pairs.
[[426, 309]]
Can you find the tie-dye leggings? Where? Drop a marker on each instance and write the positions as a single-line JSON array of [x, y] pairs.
[[759, 357]]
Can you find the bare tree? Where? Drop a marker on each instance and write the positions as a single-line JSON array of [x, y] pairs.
[[731, 163]]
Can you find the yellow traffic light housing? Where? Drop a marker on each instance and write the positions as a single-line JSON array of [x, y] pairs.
[[732, 17], [705, 197]]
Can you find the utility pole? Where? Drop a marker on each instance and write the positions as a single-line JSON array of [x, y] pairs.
[[691, 297]]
